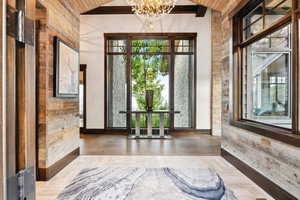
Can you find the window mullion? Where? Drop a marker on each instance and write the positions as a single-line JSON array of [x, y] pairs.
[[295, 68]]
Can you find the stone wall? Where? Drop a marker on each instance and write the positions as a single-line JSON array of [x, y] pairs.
[[277, 161], [58, 118]]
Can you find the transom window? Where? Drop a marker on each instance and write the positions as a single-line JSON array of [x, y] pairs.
[[265, 13]]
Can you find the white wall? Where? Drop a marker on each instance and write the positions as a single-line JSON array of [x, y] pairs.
[[92, 29]]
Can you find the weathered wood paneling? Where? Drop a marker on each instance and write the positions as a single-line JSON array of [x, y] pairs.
[[25, 73], [216, 18], [63, 19], [11, 103], [275, 160], [20, 91], [58, 118], [2, 109]]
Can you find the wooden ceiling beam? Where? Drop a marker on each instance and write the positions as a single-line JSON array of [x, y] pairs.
[[227, 7], [198, 10]]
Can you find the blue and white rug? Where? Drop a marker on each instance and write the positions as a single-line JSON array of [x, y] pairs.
[[147, 184]]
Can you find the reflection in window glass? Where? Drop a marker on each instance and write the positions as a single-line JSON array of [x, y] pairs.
[[275, 9], [253, 22], [150, 46], [266, 80], [117, 46], [265, 14], [183, 84], [150, 72], [117, 93], [184, 46], [152, 67], [81, 104]]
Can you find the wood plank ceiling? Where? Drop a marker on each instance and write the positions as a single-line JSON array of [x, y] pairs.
[[81, 6], [213, 4]]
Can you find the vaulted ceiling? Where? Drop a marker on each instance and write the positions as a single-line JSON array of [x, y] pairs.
[[81, 6], [214, 4]]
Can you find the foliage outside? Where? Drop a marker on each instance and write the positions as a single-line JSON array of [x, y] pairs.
[[146, 72]]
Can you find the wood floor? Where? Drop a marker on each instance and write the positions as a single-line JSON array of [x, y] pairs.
[[190, 144], [244, 188], [184, 150]]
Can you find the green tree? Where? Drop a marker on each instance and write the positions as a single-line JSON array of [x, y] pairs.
[[146, 69]]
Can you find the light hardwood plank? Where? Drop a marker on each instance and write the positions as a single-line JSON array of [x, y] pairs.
[[244, 188]]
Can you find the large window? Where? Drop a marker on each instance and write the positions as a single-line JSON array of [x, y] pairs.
[[266, 79], [163, 63], [265, 93]]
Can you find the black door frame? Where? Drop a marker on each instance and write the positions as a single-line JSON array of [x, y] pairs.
[[83, 68], [164, 36]]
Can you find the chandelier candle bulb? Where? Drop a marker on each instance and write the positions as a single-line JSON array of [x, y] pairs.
[[151, 11]]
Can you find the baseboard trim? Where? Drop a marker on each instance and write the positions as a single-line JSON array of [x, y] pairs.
[[125, 131], [266, 184], [45, 174], [103, 131], [197, 131]]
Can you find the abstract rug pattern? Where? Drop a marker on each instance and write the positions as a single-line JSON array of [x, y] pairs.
[[147, 184]]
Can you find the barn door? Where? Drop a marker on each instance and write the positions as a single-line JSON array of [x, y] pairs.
[[2, 107], [20, 94]]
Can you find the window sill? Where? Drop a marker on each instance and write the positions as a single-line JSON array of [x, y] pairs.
[[276, 133]]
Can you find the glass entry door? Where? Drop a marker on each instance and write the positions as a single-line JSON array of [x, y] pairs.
[[164, 65], [150, 71]]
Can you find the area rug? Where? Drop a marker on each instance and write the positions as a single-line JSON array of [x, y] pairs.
[[147, 184]]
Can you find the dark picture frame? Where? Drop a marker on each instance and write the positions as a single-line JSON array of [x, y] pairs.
[[66, 69]]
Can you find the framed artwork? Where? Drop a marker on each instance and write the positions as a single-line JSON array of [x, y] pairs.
[[66, 77]]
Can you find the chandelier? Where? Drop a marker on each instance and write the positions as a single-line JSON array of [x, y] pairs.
[[151, 11]]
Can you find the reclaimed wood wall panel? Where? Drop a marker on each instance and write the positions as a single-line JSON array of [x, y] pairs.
[[216, 104], [11, 102], [20, 101], [63, 19], [26, 72], [58, 118], [42, 58], [2, 110]]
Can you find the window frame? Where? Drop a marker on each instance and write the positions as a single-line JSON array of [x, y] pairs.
[[83, 71], [290, 136], [172, 53]]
